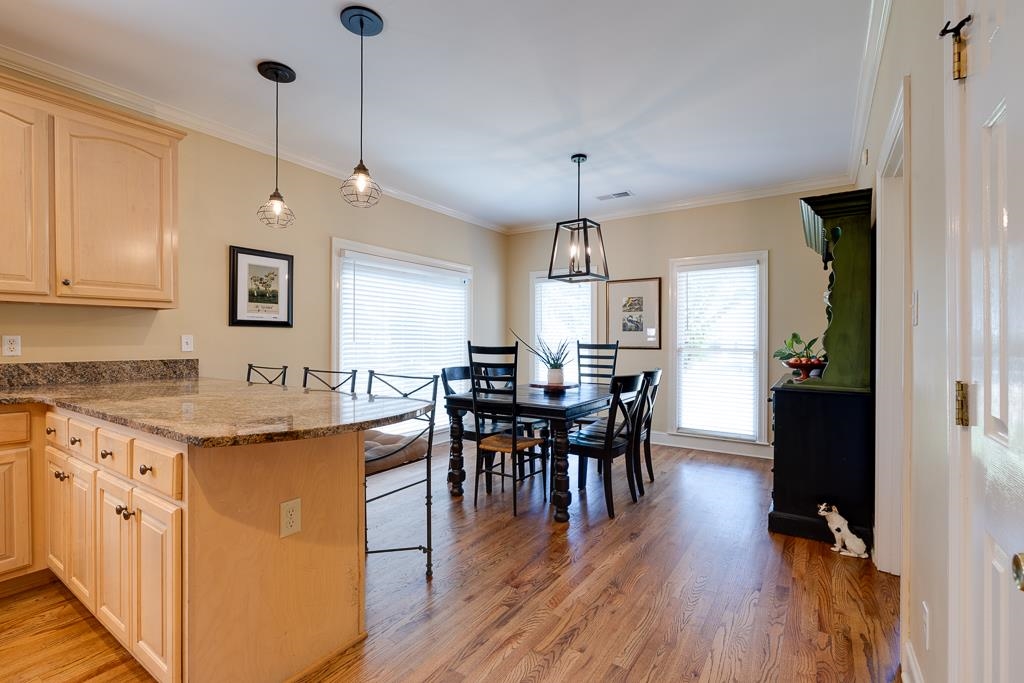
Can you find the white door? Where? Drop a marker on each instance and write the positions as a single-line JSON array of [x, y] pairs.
[[993, 219]]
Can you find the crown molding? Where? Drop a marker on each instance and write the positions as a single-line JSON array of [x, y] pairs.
[[49, 72], [808, 185], [878, 23]]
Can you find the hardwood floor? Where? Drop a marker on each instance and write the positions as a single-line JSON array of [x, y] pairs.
[[686, 585]]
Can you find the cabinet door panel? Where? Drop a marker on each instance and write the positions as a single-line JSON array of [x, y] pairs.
[[114, 211], [15, 510], [113, 556], [81, 577], [25, 179], [157, 585], [56, 513]]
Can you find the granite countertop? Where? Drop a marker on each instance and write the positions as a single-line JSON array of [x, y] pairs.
[[217, 412]]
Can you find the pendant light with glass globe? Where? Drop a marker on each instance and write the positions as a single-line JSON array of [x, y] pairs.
[[360, 189], [275, 213]]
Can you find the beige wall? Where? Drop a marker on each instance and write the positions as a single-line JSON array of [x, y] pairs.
[[911, 50], [642, 247], [221, 186]]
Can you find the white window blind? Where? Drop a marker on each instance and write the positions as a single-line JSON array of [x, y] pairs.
[[719, 320], [400, 317], [561, 310]]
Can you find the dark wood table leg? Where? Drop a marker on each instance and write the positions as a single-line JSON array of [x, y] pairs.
[[561, 496], [456, 471]]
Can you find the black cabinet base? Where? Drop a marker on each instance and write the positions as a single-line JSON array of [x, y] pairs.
[[812, 527]]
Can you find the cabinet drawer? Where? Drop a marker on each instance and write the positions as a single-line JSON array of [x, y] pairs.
[[113, 451], [57, 430], [14, 427], [82, 440], [157, 467]]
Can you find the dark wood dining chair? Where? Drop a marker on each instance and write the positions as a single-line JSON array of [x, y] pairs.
[[611, 437], [384, 451], [596, 362], [266, 374], [642, 433], [332, 380], [493, 384]]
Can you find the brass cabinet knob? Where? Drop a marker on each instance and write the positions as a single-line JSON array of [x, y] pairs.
[[60, 475], [119, 509], [106, 454], [51, 430], [66, 282], [127, 515], [75, 441], [145, 468]]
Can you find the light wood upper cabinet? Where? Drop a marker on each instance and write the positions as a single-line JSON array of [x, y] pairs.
[[114, 190], [25, 179], [110, 178]]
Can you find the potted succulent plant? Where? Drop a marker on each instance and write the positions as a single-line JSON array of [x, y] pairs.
[[800, 355], [554, 358]]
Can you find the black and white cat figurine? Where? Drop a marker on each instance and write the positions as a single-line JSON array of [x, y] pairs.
[[847, 543]]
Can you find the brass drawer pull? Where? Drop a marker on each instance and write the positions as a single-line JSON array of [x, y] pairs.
[[145, 468], [127, 515], [120, 509], [66, 282], [51, 430], [106, 454], [75, 441], [60, 475]]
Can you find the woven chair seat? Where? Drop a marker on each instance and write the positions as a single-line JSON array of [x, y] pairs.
[[502, 443]]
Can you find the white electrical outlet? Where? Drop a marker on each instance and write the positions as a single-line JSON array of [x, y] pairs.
[[291, 517], [11, 345], [926, 625], [188, 343]]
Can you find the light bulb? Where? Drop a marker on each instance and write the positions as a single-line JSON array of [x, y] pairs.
[[276, 205], [361, 182]]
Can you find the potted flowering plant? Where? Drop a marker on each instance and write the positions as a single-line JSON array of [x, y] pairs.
[[554, 358], [800, 355]]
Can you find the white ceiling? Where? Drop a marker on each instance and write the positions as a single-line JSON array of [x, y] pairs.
[[474, 107]]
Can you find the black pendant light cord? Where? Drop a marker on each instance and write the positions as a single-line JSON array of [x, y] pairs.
[[277, 126], [362, 30], [578, 164]]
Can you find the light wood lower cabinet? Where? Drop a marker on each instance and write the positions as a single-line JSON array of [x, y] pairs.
[[15, 509], [156, 585], [81, 566], [114, 556], [58, 502]]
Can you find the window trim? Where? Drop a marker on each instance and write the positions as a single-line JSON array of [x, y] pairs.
[[338, 248], [734, 259], [535, 275]]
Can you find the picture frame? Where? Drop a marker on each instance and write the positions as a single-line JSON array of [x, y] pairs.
[[261, 289], [633, 313]]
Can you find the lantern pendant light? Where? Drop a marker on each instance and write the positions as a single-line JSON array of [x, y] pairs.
[[360, 189], [275, 213], [577, 254]]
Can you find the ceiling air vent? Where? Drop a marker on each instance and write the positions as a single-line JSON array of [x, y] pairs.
[[615, 195]]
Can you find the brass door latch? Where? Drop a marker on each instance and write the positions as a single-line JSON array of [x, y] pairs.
[[959, 62]]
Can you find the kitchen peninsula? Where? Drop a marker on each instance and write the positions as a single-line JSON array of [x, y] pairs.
[[158, 503]]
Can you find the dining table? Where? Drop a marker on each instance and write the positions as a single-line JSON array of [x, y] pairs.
[[560, 407]]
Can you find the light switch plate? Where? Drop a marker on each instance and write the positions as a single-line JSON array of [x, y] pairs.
[[188, 343], [11, 345]]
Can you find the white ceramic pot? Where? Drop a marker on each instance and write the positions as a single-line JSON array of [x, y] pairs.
[[555, 376]]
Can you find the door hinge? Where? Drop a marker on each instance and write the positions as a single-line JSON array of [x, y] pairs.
[[963, 407], [959, 61]]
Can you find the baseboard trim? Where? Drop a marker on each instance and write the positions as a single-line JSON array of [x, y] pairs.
[[751, 450], [911, 672], [26, 582]]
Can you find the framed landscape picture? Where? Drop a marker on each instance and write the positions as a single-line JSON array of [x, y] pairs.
[[633, 313], [260, 286]]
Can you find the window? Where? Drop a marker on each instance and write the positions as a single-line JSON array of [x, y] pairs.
[[399, 313], [720, 345], [561, 310]]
